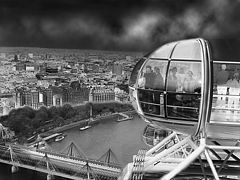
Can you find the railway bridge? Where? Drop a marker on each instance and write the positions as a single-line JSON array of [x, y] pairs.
[[57, 164]]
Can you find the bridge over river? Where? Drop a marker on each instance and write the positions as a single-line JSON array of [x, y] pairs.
[[123, 138]]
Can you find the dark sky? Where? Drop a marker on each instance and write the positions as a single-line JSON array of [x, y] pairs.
[[138, 25]]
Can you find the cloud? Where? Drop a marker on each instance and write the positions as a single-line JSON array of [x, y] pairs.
[[140, 27]]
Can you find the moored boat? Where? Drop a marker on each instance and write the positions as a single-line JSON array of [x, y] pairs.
[[84, 128], [59, 138]]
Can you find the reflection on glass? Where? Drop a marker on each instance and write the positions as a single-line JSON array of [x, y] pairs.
[[152, 107], [153, 135], [226, 91], [135, 71], [180, 105]]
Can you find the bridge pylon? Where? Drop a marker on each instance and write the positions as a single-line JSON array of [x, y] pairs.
[[46, 163], [109, 158], [72, 150], [14, 160], [50, 167], [90, 173]]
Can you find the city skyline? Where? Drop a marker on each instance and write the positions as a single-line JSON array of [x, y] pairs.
[[113, 24]]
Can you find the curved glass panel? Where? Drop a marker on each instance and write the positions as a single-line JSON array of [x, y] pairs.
[[153, 135], [151, 84], [184, 90], [164, 51], [135, 71], [226, 93], [188, 49]]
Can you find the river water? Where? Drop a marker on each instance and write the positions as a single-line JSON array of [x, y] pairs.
[[124, 138]]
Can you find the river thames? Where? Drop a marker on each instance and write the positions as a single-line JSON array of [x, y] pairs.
[[124, 138]]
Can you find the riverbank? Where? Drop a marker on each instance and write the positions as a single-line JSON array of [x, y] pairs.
[[27, 122], [96, 120]]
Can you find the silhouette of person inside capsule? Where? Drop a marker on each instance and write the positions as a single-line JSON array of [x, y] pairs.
[[233, 89], [149, 84], [222, 76], [234, 81], [190, 86], [149, 77], [158, 80], [172, 84]]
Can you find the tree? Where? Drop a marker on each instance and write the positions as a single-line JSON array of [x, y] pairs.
[[53, 111], [40, 118], [67, 111], [58, 120]]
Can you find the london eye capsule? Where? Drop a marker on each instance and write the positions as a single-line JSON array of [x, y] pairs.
[[193, 88], [190, 86]]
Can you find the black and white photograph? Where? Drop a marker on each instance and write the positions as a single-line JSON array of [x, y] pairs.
[[119, 89]]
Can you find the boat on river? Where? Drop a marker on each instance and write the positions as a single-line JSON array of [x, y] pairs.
[[125, 119], [59, 138], [87, 126], [84, 128]]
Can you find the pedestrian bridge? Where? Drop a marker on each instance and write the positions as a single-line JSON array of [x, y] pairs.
[[56, 164]]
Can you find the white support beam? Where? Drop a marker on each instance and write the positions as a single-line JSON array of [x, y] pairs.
[[167, 151], [223, 147], [211, 165], [186, 162]]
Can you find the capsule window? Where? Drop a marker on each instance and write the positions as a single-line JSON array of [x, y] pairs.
[[153, 135], [184, 90], [151, 84], [226, 93]]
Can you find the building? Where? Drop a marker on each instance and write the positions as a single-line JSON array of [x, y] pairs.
[[48, 97], [128, 58], [92, 67], [101, 95], [43, 67], [20, 66], [117, 69], [27, 98], [35, 99], [4, 107], [18, 99], [51, 70], [57, 100], [30, 55], [76, 96], [71, 63], [3, 55], [30, 67]]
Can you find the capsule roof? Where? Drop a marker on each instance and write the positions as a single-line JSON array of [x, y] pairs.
[[221, 50], [186, 50]]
